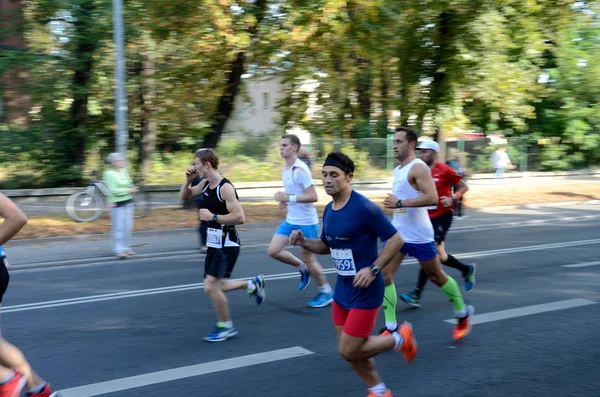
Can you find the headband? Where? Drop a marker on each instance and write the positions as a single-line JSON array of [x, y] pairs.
[[333, 162]]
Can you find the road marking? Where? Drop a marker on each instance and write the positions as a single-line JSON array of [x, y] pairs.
[[526, 311], [43, 266], [584, 264], [270, 277], [132, 382]]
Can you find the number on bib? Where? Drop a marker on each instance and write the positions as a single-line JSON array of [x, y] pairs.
[[214, 238], [343, 262], [400, 211]]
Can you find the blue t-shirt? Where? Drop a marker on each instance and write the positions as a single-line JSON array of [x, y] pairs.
[[351, 233]]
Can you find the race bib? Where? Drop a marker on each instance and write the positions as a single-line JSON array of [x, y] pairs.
[[343, 262], [214, 238], [400, 211]]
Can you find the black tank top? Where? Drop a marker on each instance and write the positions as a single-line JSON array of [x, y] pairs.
[[215, 204]]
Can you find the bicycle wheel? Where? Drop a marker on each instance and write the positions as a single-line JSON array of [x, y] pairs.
[[84, 206], [141, 204]]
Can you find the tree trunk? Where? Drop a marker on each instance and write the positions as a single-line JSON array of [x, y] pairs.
[[148, 110], [238, 67]]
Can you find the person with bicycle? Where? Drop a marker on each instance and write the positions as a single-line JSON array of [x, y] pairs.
[[121, 189]]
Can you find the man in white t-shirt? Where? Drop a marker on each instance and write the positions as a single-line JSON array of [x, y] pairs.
[[299, 198], [500, 161]]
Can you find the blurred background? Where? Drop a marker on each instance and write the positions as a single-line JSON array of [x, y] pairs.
[[340, 74]]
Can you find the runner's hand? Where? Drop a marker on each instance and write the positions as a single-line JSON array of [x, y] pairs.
[[282, 206], [205, 215], [282, 197], [297, 237], [363, 278], [190, 173], [446, 201], [390, 201]]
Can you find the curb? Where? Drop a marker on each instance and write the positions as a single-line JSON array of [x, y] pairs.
[[252, 226]]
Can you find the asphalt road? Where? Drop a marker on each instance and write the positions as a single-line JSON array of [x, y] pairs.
[[86, 320]]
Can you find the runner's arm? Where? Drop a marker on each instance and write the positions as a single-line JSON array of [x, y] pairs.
[[462, 189], [424, 181], [236, 214], [316, 246], [392, 247], [14, 219], [188, 191]]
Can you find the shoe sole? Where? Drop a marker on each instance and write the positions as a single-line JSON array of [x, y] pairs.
[[220, 339], [413, 340], [261, 290]]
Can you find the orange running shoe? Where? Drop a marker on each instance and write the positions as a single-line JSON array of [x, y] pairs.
[[409, 345], [13, 387], [463, 325]]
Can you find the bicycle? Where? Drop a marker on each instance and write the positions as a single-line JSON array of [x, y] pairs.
[[93, 201]]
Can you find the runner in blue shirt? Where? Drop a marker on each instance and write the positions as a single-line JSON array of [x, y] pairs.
[[351, 227]]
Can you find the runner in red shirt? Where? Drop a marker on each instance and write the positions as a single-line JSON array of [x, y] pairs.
[[445, 178]]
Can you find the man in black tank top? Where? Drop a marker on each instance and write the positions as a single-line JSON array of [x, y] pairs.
[[222, 211]]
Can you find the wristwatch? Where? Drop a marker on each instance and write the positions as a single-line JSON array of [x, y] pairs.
[[375, 270], [214, 217], [399, 204]]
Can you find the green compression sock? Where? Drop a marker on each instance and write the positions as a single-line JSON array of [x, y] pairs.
[[389, 304], [453, 293]]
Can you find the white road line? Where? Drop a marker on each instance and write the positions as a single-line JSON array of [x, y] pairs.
[[526, 311], [195, 254], [584, 264], [270, 277], [132, 382]]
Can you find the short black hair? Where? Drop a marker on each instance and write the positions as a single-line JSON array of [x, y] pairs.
[[411, 135], [340, 160]]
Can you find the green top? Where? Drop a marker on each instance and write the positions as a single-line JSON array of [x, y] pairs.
[[118, 184]]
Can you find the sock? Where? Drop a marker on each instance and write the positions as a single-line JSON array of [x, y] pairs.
[[251, 286], [225, 324], [303, 268], [456, 264], [421, 283], [399, 339], [379, 389], [9, 376], [389, 305], [453, 293], [325, 289], [38, 389]]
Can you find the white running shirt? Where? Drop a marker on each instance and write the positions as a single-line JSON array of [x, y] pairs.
[[295, 181], [412, 223]]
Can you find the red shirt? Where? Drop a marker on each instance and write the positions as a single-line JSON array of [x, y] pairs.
[[445, 178]]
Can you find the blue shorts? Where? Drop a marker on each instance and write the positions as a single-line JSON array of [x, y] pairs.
[[309, 231], [421, 252]]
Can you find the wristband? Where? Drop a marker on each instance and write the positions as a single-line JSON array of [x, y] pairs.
[[293, 198], [457, 195]]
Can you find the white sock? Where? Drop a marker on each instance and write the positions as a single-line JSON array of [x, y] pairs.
[[399, 339], [379, 389], [325, 289], [303, 267], [9, 376], [391, 326], [251, 286], [228, 324]]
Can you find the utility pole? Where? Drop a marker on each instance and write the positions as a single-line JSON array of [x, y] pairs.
[[120, 94]]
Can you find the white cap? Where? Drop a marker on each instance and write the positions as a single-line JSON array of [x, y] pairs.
[[431, 145]]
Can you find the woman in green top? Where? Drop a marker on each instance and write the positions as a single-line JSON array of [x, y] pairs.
[[121, 188]]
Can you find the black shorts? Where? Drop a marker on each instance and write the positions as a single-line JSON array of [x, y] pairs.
[[441, 225], [4, 279], [219, 262]]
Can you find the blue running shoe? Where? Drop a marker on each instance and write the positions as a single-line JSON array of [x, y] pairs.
[[469, 277], [221, 334], [411, 299], [304, 280], [259, 292], [321, 300]]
